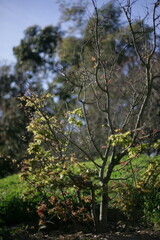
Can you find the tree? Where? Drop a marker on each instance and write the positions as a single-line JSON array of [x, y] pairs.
[[13, 122], [124, 118], [34, 68], [35, 61], [36, 55]]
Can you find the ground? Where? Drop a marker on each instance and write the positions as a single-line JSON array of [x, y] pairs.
[[135, 234]]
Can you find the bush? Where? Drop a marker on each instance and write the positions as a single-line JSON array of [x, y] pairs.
[[140, 203], [149, 186], [13, 209], [7, 166]]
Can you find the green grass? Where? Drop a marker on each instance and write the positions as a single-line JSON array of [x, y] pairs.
[[131, 168], [134, 167], [14, 208], [11, 184]]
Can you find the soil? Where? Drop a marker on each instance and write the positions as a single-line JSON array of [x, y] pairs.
[[135, 234]]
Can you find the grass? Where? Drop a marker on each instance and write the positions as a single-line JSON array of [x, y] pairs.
[[14, 208], [11, 184], [129, 169]]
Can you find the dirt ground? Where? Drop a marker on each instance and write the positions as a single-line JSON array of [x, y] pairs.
[[136, 235]]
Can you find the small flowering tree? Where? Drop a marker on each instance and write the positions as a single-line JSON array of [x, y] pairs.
[[53, 169], [61, 143]]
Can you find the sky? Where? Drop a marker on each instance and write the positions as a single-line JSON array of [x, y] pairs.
[[17, 15]]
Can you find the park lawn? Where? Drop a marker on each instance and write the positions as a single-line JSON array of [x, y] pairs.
[[11, 184], [127, 167], [14, 185]]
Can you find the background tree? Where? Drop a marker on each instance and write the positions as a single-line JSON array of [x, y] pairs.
[[36, 55], [13, 122], [35, 67]]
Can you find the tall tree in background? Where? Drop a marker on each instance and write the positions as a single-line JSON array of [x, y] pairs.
[[35, 67], [13, 122], [36, 55]]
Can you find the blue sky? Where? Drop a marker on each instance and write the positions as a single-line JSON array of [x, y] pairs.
[[17, 15]]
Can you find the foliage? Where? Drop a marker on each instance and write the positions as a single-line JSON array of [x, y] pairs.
[[65, 208], [140, 202], [51, 167], [37, 49], [74, 12], [13, 121], [149, 186], [35, 58]]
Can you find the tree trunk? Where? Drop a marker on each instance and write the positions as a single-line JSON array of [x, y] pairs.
[[94, 212], [104, 210]]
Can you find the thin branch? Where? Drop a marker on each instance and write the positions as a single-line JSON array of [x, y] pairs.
[[89, 132]]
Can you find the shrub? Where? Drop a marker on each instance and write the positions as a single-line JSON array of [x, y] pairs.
[[7, 166], [149, 186], [65, 208], [140, 203]]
